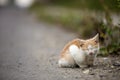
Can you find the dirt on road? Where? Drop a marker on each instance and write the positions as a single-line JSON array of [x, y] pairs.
[[29, 50]]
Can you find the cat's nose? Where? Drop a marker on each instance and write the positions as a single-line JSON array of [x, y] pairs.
[[91, 53]]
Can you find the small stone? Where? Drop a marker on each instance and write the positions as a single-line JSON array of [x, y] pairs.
[[102, 75], [86, 71], [20, 63], [92, 73], [76, 77], [117, 63], [105, 58], [109, 70], [112, 67], [118, 68]]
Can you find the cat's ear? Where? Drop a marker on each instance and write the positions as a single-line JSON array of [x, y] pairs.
[[96, 38]]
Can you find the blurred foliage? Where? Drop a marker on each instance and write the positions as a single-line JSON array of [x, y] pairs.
[[71, 19], [90, 4], [110, 39], [85, 17], [109, 33]]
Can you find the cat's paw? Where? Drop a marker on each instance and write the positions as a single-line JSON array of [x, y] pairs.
[[64, 63]]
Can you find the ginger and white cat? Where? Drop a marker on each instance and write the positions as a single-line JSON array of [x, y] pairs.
[[79, 52]]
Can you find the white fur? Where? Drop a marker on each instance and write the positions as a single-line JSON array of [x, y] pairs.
[[89, 46], [94, 51], [64, 63], [73, 49], [78, 55], [91, 49]]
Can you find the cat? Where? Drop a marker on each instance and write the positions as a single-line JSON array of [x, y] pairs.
[[79, 52]]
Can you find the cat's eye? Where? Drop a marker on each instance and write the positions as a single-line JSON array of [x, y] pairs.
[[96, 41], [81, 45]]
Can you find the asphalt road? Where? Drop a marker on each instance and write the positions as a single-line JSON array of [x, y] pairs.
[[29, 49]]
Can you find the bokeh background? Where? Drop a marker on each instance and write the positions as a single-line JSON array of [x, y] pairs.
[[86, 18]]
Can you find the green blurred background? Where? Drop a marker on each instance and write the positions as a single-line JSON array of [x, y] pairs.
[[86, 18]]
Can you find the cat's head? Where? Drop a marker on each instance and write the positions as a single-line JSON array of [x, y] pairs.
[[90, 46]]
